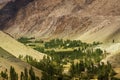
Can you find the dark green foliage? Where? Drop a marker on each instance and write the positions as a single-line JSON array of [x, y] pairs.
[[24, 40], [54, 43], [26, 74], [49, 66], [40, 49], [105, 71], [96, 43], [102, 71], [20, 57], [4, 74], [98, 51], [57, 43], [32, 74], [84, 69], [113, 41], [88, 67], [38, 41], [22, 76], [13, 74], [80, 49]]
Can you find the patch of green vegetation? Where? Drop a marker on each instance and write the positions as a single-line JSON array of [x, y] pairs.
[[28, 41], [13, 75], [84, 69], [24, 40], [62, 52]]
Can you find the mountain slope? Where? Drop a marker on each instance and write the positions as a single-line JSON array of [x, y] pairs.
[[68, 19], [7, 60], [16, 48], [3, 3], [10, 10]]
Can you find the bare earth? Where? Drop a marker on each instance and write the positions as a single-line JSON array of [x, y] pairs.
[[87, 20], [15, 48]]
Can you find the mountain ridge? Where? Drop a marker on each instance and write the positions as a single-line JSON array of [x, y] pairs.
[[68, 19]]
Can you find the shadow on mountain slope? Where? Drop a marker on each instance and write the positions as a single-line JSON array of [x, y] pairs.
[[10, 10]]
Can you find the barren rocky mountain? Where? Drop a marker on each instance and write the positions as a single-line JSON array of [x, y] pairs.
[[3, 3], [73, 19]]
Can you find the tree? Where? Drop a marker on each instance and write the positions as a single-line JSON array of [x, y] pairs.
[[26, 74], [113, 41], [22, 76], [13, 74], [4, 74], [32, 74]]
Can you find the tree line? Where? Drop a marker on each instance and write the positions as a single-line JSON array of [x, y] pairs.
[[13, 75]]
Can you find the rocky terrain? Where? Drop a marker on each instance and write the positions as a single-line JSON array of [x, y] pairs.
[[68, 19], [3, 3]]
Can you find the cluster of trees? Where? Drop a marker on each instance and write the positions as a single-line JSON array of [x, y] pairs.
[[26, 40], [80, 53], [51, 68], [4, 74], [79, 49], [40, 49], [96, 54], [60, 43], [13, 75], [89, 66], [28, 75], [88, 70], [84, 69], [54, 43]]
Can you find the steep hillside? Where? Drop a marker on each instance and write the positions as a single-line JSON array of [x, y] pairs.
[[10, 10], [7, 60], [16, 48], [68, 19], [3, 3]]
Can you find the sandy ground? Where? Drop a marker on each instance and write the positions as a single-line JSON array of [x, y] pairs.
[[16, 48]]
